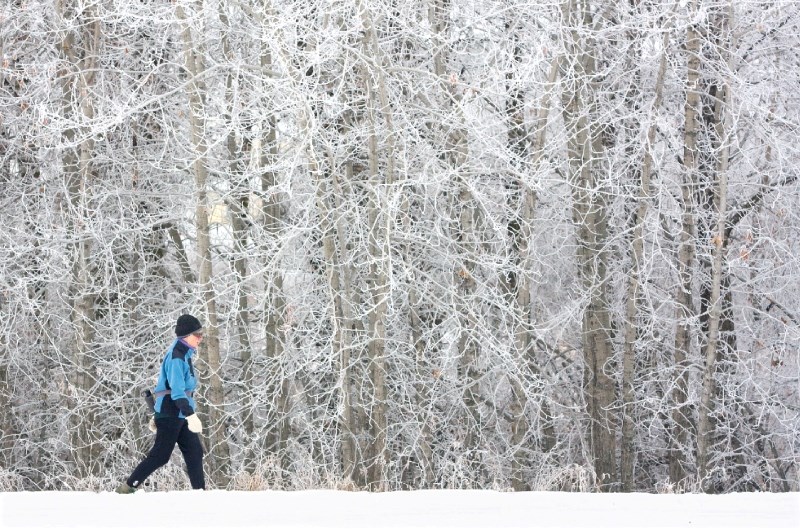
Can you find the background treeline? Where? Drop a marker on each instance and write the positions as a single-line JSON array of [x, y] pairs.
[[435, 243]]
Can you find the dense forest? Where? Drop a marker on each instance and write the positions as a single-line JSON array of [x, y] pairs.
[[519, 245]]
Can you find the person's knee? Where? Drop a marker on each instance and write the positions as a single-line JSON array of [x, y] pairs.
[[159, 458]]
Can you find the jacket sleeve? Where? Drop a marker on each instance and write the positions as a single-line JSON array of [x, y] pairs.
[[176, 375]]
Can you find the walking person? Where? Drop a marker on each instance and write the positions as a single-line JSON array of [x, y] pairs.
[[175, 420]]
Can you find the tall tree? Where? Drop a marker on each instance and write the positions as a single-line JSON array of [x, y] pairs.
[[81, 52], [587, 178], [194, 67]]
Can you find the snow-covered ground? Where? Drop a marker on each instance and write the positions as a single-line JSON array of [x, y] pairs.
[[414, 509]]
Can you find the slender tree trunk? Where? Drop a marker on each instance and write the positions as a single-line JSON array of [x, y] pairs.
[[239, 205], [380, 222], [274, 218], [681, 415], [632, 311], [468, 349], [518, 281], [276, 304], [425, 377], [705, 422], [524, 292], [465, 218], [220, 452], [7, 431], [379, 457], [7, 434], [585, 150], [81, 57], [343, 322]]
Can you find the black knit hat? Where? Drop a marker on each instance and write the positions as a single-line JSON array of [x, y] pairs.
[[187, 325]]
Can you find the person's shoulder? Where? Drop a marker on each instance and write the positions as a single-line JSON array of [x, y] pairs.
[[180, 350]]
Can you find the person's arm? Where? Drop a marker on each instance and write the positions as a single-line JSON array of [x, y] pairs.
[[176, 376]]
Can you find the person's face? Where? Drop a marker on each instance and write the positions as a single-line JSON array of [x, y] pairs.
[[194, 339]]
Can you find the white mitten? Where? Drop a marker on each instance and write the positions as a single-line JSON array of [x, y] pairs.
[[194, 423], [152, 424]]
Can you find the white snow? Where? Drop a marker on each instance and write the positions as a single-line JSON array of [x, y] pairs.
[[444, 509]]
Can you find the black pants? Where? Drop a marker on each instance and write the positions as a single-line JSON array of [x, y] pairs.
[[169, 432]]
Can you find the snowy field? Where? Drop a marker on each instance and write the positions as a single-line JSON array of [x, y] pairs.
[[416, 509]]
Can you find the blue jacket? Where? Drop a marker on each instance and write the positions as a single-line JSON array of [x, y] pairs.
[[177, 375]]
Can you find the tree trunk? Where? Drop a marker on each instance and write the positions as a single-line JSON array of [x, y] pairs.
[[465, 216], [220, 452], [468, 349], [273, 212], [705, 422], [7, 433], [81, 57], [681, 415], [518, 281], [343, 322], [380, 221], [627, 455], [239, 204], [585, 149]]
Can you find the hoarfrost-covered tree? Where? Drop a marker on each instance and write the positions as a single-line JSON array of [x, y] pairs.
[[495, 244]]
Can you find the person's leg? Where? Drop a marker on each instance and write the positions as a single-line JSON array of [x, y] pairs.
[[192, 449], [167, 433]]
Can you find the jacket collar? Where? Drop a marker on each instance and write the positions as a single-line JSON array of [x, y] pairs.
[[191, 350]]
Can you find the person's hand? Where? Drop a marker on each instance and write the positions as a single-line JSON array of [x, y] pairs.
[[152, 424], [195, 425]]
